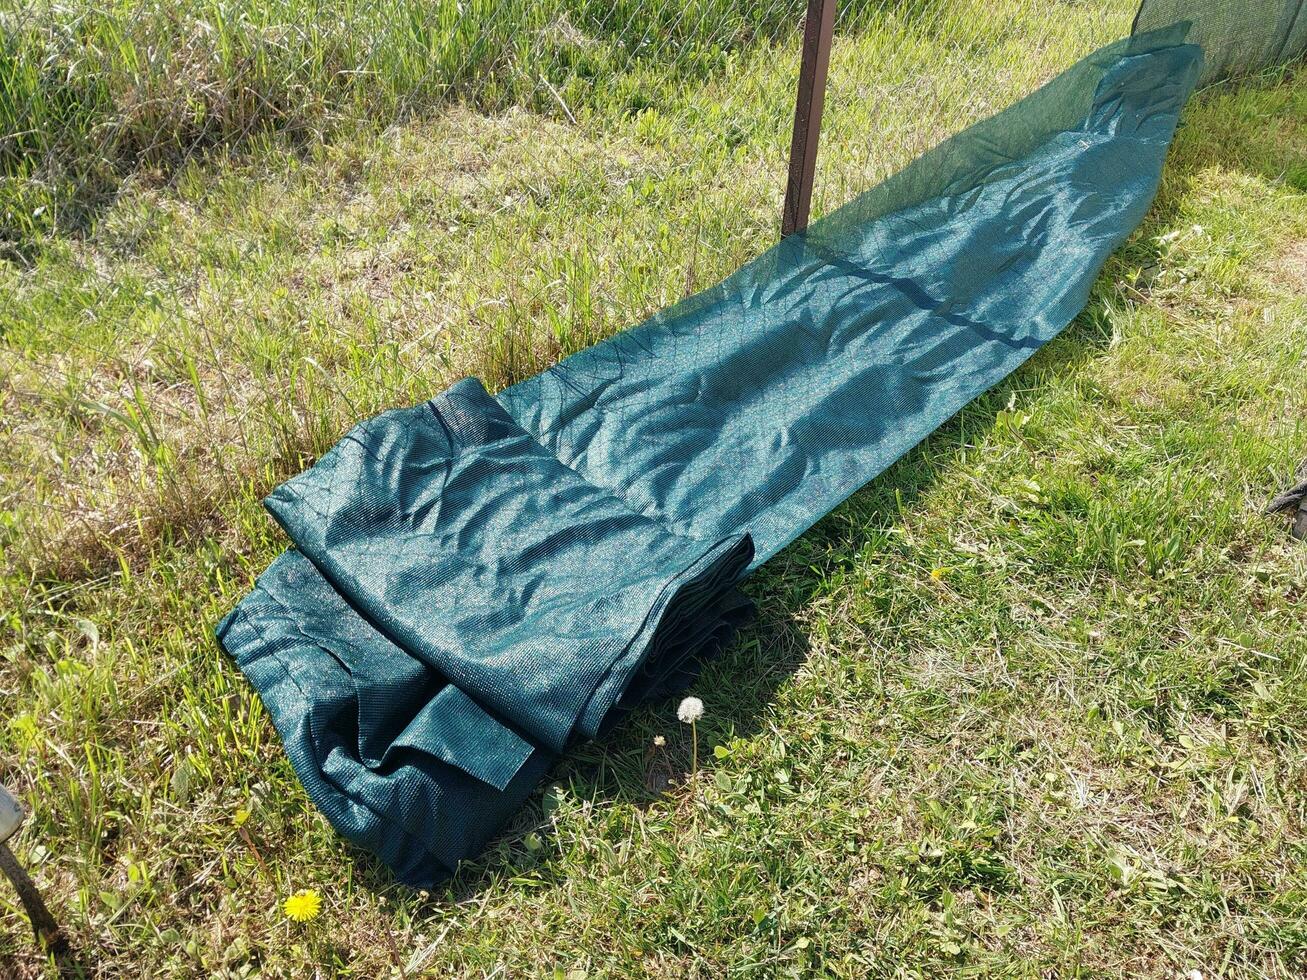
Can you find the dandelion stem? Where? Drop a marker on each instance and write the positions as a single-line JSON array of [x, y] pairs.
[[694, 751]]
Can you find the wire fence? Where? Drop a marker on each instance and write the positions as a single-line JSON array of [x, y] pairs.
[[229, 230]]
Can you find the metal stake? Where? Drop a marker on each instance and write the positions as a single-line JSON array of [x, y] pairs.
[[817, 30], [48, 934]]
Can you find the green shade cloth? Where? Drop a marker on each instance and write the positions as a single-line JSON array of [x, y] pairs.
[[479, 582], [1238, 37]]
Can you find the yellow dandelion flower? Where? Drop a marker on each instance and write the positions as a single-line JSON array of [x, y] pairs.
[[938, 574], [304, 905]]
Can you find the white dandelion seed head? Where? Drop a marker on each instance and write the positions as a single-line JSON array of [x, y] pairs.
[[690, 710], [659, 741]]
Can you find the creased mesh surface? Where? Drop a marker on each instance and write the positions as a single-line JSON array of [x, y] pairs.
[[480, 581]]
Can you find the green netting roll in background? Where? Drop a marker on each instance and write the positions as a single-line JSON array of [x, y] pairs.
[[1238, 37]]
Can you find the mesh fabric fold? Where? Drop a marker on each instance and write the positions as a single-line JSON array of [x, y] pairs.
[[478, 582]]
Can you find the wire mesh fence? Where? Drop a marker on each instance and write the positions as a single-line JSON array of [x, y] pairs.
[[232, 229]]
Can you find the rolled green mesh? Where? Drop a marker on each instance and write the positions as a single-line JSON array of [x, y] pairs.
[[479, 582]]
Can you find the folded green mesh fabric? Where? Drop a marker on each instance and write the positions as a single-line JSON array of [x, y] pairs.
[[479, 582]]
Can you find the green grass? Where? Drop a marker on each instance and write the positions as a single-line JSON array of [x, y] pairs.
[[94, 93], [1031, 704]]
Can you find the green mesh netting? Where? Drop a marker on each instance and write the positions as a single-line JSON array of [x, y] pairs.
[[479, 581], [1237, 36]]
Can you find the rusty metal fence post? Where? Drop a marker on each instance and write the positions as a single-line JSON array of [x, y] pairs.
[[817, 30]]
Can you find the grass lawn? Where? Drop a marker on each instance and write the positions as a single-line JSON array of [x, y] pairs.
[[1032, 704]]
